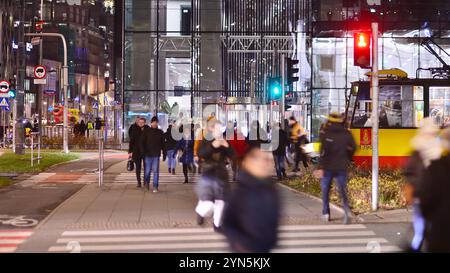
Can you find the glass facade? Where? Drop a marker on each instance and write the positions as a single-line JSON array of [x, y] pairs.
[[203, 52]]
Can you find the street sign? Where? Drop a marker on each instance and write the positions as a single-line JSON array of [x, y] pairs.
[[4, 102], [4, 86], [35, 41], [40, 72], [95, 105], [40, 81]]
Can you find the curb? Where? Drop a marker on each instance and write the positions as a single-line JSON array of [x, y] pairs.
[[45, 220], [334, 206]]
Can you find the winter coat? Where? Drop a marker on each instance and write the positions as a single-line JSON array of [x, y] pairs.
[[215, 159], [337, 148], [187, 148], [153, 142], [434, 198], [414, 171], [170, 143], [252, 214], [137, 142], [239, 145], [283, 142]]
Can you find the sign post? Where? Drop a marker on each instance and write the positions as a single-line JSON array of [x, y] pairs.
[[375, 121]]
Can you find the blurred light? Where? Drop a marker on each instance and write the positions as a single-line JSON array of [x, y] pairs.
[[373, 10]]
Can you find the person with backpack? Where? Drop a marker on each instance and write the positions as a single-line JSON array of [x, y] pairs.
[[336, 151], [186, 146], [170, 145]]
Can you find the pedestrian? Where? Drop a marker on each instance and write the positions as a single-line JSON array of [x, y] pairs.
[[434, 194], [76, 129], [131, 128], [296, 131], [136, 147], [170, 144], [257, 134], [239, 144], [337, 147], [252, 210], [300, 154], [90, 126], [279, 154], [82, 128], [153, 141], [427, 147], [186, 146], [214, 151], [199, 137]]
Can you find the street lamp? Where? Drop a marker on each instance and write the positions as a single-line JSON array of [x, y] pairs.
[[65, 85]]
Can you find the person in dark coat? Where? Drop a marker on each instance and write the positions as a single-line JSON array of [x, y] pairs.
[[279, 154], [82, 128], [427, 147], [170, 144], [252, 210], [153, 141], [336, 151], [434, 198], [214, 151], [136, 147], [186, 146]]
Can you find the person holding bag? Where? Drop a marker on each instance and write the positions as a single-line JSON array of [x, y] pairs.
[[186, 146], [136, 147]]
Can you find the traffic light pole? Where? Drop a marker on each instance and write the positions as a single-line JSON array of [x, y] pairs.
[[375, 120], [20, 97], [65, 85]]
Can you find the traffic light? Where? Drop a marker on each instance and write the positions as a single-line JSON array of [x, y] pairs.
[[12, 93], [292, 71], [288, 101], [275, 89], [361, 48]]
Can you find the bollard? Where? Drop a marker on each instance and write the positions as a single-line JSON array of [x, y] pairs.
[[100, 161]]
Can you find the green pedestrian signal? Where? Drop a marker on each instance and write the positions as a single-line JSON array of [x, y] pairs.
[[275, 88]]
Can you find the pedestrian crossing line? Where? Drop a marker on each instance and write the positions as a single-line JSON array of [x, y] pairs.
[[204, 237], [293, 238], [11, 239]]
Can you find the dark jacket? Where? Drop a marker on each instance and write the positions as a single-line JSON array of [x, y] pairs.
[[252, 214], [215, 159], [283, 142], [414, 171], [434, 198], [137, 142], [337, 147], [153, 142], [170, 143], [187, 148]]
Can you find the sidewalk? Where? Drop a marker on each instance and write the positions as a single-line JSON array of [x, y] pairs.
[[387, 216]]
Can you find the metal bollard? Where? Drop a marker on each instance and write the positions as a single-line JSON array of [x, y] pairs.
[[100, 162]]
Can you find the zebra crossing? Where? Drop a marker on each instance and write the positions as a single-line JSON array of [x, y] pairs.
[[11, 239], [292, 239], [164, 178]]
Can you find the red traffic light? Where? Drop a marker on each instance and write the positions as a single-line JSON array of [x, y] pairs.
[[361, 48], [39, 25]]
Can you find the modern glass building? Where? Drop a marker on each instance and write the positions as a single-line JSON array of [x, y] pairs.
[[200, 52]]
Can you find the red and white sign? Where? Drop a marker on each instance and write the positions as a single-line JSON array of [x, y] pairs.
[[4, 86], [40, 72]]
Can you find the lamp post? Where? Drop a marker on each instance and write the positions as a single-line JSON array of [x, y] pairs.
[[65, 85]]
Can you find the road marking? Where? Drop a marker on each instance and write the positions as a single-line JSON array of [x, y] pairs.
[[295, 238], [11, 239]]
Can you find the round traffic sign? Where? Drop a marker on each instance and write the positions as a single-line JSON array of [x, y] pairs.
[[39, 72], [4, 86]]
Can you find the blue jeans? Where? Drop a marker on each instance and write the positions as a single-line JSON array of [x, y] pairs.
[[151, 164], [279, 164], [325, 183], [171, 161], [419, 227]]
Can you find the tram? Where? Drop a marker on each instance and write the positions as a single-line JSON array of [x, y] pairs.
[[403, 103]]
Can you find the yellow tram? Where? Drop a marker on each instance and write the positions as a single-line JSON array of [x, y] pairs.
[[403, 104]]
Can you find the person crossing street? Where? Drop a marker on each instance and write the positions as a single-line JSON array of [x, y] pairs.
[[153, 141]]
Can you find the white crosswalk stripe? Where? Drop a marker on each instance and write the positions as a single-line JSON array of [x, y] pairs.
[[164, 178], [11, 239], [293, 239]]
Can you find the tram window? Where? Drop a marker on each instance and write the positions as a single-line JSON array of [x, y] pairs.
[[400, 107], [440, 105]]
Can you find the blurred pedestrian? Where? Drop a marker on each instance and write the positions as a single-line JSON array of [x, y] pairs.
[[434, 194], [199, 137], [186, 146], [296, 131], [252, 210], [136, 148], [427, 147], [170, 145], [279, 154], [153, 141], [237, 141], [337, 147], [82, 128], [90, 126], [256, 134], [214, 151]]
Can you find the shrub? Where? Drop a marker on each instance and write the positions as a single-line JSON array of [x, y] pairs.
[[359, 189]]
